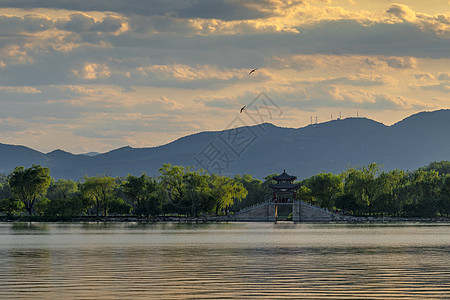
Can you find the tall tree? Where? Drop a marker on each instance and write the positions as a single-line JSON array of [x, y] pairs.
[[101, 189], [359, 185], [172, 187], [141, 191], [424, 193], [28, 185], [62, 189], [390, 187], [256, 192], [444, 202], [197, 193], [225, 191], [325, 188], [442, 167], [5, 190], [11, 206]]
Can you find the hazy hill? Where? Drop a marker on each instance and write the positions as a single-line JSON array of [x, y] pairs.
[[265, 149]]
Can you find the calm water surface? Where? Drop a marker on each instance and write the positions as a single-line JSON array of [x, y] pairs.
[[224, 261]]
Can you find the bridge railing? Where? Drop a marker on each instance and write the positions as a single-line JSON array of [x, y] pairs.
[[248, 208], [316, 207]]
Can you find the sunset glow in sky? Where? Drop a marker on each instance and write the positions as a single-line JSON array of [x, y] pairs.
[[98, 75]]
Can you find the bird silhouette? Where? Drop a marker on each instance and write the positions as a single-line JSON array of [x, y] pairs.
[[243, 108], [252, 71]]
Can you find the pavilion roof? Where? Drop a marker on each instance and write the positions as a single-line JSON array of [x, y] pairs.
[[285, 177], [285, 186]]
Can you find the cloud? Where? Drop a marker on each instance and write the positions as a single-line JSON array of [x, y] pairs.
[[361, 62], [319, 95], [441, 87], [93, 71], [20, 89], [161, 103], [439, 24], [196, 76], [359, 80], [401, 62], [82, 23], [424, 76], [12, 125], [209, 9], [444, 77], [30, 23], [140, 71], [402, 11]]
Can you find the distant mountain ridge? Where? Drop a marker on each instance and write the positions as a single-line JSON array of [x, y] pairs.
[[263, 149]]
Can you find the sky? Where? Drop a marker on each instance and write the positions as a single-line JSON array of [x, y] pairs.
[[97, 75]]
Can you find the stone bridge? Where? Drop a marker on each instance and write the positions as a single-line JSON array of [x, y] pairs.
[[301, 212]]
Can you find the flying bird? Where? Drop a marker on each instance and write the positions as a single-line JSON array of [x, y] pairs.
[[243, 108], [252, 71]]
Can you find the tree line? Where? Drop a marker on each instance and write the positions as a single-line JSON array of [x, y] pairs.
[[177, 190], [184, 191], [365, 191]]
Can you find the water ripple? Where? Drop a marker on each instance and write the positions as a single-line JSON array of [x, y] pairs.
[[105, 267]]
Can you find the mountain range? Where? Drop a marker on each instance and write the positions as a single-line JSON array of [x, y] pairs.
[[263, 149]]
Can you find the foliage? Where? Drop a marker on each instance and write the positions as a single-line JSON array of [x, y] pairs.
[[390, 188], [360, 185], [255, 192], [75, 205], [442, 167], [11, 206], [184, 191], [101, 189], [5, 190], [28, 185], [62, 189], [142, 193], [324, 188], [225, 191], [119, 207], [172, 187]]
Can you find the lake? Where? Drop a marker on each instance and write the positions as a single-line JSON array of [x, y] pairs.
[[224, 261]]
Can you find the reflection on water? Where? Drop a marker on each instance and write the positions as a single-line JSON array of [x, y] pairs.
[[28, 226], [224, 261]]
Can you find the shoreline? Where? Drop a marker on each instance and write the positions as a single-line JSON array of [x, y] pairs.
[[213, 219]]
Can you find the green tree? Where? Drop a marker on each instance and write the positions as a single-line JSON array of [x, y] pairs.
[[76, 205], [141, 191], [5, 190], [119, 207], [360, 186], [197, 194], [11, 206], [304, 193], [185, 191], [256, 191], [101, 189], [172, 187], [444, 200], [442, 167], [62, 189], [28, 185], [225, 191], [424, 193], [389, 197], [325, 188]]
